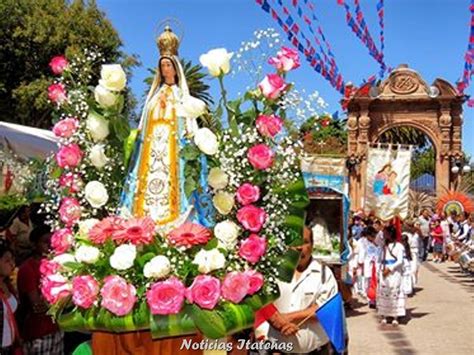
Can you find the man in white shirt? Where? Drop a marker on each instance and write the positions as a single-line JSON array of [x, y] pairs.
[[312, 285], [462, 234]]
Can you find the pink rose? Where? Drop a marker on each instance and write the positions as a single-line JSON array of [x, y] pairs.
[[84, 291], [252, 217], [58, 64], [70, 181], [255, 281], [166, 297], [235, 286], [287, 59], [269, 126], [61, 240], [57, 93], [260, 156], [248, 193], [54, 287], [69, 211], [48, 267], [69, 156], [118, 296], [66, 128], [205, 291], [272, 86], [253, 248]]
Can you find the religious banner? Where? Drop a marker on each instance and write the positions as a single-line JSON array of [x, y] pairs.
[[388, 181]]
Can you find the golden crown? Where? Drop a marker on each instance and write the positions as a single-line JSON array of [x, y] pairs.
[[168, 42]]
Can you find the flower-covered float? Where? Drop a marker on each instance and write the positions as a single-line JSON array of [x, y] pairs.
[[117, 269]]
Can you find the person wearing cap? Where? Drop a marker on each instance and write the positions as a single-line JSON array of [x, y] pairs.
[[438, 239]]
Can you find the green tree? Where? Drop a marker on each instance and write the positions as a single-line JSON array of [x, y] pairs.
[[423, 162], [405, 135], [32, 32]]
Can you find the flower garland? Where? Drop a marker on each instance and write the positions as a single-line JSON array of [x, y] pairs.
[[117, 273]]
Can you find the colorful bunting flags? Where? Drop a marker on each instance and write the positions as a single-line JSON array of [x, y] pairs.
[[360, 29], [468, 71]]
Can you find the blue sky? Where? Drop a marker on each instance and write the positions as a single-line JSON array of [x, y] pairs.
[[429, 35]]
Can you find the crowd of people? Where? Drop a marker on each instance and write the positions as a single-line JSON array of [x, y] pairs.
[[383, 268], [385, 257], [25, 325]]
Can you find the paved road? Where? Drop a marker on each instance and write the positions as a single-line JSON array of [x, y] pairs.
[[440, 318]]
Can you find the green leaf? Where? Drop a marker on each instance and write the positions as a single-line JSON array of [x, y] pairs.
[[142, 260], [128, 146], [190, 152], [120, 103], [120, 128], [189, 186], [56, 173], [211, 244], [73, 265]]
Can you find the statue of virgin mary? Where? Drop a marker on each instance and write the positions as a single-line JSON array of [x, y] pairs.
[[155, 183]]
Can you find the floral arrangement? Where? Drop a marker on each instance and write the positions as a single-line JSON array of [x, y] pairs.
[[117, 273]]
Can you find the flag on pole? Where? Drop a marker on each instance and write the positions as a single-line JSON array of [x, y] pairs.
[[332, 318]]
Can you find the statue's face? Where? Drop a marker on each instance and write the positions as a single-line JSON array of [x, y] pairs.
[[167, 70]]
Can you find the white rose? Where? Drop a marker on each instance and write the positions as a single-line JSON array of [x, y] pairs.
[[226, 232], [209, 260], [97, 126], [223, 202], [97, 156], [96, 194], [123, 257], [217, 178], [104, 97], [217, 61], [206, 141], [86, 225], [87, 254], [191, 107], [158, 267], [64, 258], [112, 77]]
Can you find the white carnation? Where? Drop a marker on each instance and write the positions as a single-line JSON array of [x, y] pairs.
[[104, 97], [97, 126], [206, 141], [158, 267], [97, 156], [226, 233], [123, 257], [86, 225], [217, 178], [87, 254], [217, 61], [96, 194], [112, 77], [209, 260]]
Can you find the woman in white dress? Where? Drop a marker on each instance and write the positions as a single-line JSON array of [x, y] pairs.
[[414, 242], [407, 274], [390, 296]]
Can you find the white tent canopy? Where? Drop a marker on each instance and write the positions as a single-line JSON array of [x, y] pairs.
[[27, 142]]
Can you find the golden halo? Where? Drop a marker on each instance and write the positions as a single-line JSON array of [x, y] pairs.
[[175, 25]]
